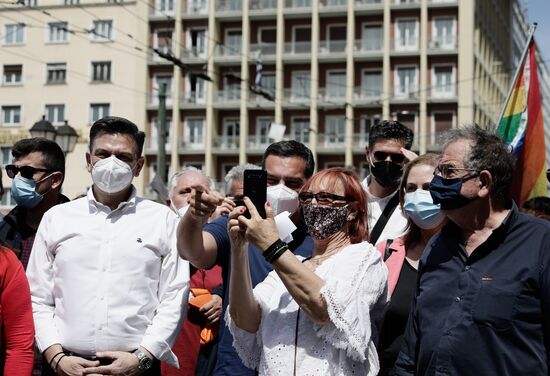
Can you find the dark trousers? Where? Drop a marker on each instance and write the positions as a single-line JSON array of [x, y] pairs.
[[47, 371]]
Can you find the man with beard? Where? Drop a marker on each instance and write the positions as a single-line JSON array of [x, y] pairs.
[[387, 152]]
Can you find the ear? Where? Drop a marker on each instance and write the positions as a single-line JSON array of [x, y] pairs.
[[88, 162], [486, 183], [57, 179], [367, 151], [139, 166], [352, 211]]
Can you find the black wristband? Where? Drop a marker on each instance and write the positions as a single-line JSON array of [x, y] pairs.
[[278, 254], [275, 250], [53, 358], [57, 364]]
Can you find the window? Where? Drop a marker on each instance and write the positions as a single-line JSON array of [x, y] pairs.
[[262, 130], [194, 132], [11, 115], [443, 81], [157, 85], [231, 131], [13, 33], [99, 111], [300, 129], [336, 84], [443, 33], [162, 41], [164, 6], [101, 71], [337, 38], [367, 122], [267, 40], [232, 89], [372, 84], [197, 6], [56, 73], [55, 113], [5, 154], [58, 32], [372, 38], [233, 42], [196, 89], [335, 130], [268, 83], [301, 85], [405, 82], [153, 141], [71, 2], [12, 74], [197, 42], [301, 41], [103, 30], [441, 122], [406, 34]]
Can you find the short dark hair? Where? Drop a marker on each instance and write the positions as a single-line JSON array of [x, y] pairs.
[[291, 148], [53, 159], [391, 130], [540, 204], [487, 152], [118, 125]]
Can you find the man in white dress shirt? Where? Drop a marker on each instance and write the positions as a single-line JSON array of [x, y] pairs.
[[106, 281], [387, 152]]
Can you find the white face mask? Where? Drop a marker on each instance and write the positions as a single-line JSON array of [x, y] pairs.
[[281, 198], [181, 211], [111, 175]]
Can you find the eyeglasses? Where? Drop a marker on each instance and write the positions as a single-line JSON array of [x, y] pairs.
[[395, 157], [26, 171], [322, 198], [446, 171]]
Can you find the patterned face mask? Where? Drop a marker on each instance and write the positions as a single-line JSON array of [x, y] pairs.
[[324, 221]]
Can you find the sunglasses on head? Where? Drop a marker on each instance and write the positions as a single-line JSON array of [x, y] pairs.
[[26, 171], [382, 155]]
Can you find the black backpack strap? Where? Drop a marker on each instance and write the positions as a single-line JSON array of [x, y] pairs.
[[384, 217], [388, 251]]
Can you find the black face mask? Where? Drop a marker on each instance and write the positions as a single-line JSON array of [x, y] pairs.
[[386, 173], [446, 192]]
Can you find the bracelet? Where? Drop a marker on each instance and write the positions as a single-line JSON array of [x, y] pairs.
[[57, 365], [52, 359], [278, 254], [273, 248]]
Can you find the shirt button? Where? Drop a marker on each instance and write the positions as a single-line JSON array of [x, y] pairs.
[[457, 299], [468, 267]]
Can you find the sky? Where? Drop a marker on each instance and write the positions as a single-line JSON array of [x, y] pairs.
[[539, 11]]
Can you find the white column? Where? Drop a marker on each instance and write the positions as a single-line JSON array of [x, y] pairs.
[[314, 88], [465, 61], [386, 69], [424, 134], [243, 124], [175, 142], [279, 76], [211, 88], [350, 83]]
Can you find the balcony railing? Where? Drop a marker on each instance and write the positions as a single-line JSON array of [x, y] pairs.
[[443, 43], [193, 144], [229, 96], [405, 44], [367, 2], [264, 48], [403, 94], [195, 7], [294, 48], [333, 3], [335, 94], [332, 46], [364, 94], [226, 142], [369, 45], [193, 97], [194, 53], [228, 51], [298, 3], [262, 4], [229, 5], [443, 92], [296, 96]]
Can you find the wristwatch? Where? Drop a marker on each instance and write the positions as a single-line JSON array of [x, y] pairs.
[[144, 362]]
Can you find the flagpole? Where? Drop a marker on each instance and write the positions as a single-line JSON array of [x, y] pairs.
[[525, 50]]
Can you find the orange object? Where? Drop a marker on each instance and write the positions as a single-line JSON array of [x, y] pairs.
[[202, 296]]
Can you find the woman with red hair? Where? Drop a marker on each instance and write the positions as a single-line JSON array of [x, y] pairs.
[[310, 316]]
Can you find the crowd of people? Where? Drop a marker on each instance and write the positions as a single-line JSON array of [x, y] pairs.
[[426, 267]]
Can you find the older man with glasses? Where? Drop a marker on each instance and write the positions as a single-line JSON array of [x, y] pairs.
[[37, 173], [482, 305]]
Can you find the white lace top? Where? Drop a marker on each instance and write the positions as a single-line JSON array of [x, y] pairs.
[[288, 340]]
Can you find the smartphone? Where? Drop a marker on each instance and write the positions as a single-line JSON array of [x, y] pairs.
[[255, 188]]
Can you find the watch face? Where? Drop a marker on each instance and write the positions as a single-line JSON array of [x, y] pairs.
[[145, 363]]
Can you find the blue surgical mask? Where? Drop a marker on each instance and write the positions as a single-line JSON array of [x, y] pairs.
[[446, 192], [23, 191], [420, 208]]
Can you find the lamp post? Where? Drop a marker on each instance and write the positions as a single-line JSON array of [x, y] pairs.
[[65, 136]]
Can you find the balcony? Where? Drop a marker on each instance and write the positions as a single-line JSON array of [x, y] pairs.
[[443, 93], [257, 143], [406, 4], [298, 48], [333, 95], [443, 3], [153, 101], [193, 99], [368, 48], [194, 53], [298, 7], [443, 44], [259, 101], [157, 14], [229, 54], [229, 7], [193, 146], [229, 98], [154, 59], [195, 8], [226, 144], [406, 95], [362, 6], [260, 6], [296, 97], [332, 49], [366, 96], [405, 46], [266, 49]]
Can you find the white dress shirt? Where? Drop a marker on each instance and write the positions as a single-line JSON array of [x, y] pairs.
[[397, 223], [108, 280]]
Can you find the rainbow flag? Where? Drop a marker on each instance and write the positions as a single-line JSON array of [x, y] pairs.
[[522, 127]]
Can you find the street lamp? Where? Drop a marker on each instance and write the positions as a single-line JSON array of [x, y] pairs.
[[65, 136]]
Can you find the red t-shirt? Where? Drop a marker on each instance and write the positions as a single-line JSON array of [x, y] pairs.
[[17, 329]]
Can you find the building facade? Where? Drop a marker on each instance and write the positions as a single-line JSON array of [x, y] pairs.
[[326, 70]]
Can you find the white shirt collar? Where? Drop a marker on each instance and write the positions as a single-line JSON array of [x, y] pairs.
[[96, 206]]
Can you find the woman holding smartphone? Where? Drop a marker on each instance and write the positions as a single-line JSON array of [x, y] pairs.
[[318, 315]]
